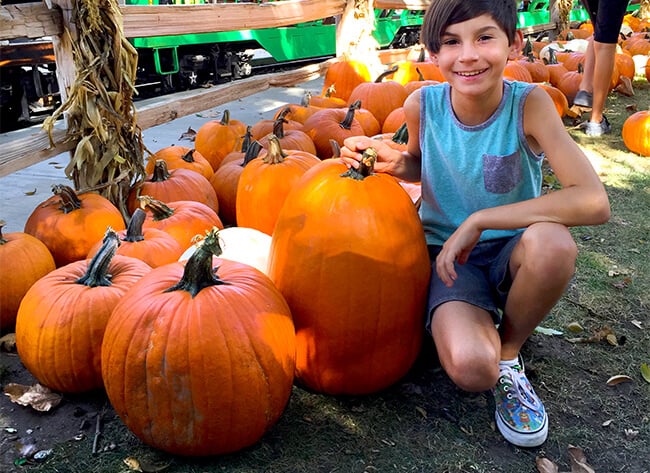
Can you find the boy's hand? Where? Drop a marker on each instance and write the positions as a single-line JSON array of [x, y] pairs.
[[353, 149], [456, 249]]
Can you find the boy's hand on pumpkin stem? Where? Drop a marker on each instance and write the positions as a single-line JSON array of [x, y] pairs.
[[353, 149], [456, 250]]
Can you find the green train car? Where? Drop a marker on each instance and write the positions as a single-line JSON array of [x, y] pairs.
[[191, 60]]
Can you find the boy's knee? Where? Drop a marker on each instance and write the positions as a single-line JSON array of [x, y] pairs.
[[473, 371], [550, 247]]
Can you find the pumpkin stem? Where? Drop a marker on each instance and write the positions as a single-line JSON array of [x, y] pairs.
[[159, 209], [252, 152], [387, 73], [401, 135], [306, 99], [3, 240], [330, 90], [422, 55], [349, 116], [69, 199], [278, 126], [247, 138], [160, 171], [189, 156], [336, 148], [97, 273], [275, 154], [198, 273], [225, 119], [366, 166], [134, 228]]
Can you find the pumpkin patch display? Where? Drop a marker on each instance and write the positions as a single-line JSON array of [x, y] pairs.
[[61, 320], [70, 224], [29, 260], [198, 359], [349, 255]]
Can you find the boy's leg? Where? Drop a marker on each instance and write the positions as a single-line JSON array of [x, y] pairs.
[[467, 344], [541, 266]]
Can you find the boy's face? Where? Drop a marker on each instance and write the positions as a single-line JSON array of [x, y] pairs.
[[473, 54]]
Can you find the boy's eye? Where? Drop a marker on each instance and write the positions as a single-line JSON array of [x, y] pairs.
[[449, 41], [485, 37]]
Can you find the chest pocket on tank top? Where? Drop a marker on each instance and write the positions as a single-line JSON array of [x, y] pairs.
[[501, 174]]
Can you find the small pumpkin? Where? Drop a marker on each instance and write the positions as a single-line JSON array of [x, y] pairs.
[[154, 247], [636, 132], [380, 97], [333, 124], [225, 180], [182, 219], [216, 138], [174, 184], [62, 318], [24, 259], [265, 183], [180, 157], [198, 358], [70, 224]]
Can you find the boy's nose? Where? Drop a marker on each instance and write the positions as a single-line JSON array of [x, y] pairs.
[[468, 52]]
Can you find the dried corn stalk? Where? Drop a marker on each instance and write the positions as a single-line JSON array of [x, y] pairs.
[[100, 112]]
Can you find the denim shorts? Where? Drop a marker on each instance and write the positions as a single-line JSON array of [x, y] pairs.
[[484, 280]]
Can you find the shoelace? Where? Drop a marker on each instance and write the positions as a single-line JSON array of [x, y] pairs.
[[522, 389]]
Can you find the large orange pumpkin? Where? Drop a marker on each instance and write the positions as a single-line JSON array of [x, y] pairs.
[[199, 359], [348, 253], [636, 132], [24, 259], [61, 320], [70, 224]]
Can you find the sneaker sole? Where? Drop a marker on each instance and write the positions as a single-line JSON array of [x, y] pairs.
[[532, 439]]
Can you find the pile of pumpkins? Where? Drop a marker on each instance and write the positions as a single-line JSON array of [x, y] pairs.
[[250, 262]]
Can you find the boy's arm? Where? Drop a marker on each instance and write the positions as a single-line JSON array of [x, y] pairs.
[[581, 201], [403, 165]]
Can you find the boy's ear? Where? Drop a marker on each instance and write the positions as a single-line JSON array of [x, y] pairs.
[[433, 58], [517, 45]]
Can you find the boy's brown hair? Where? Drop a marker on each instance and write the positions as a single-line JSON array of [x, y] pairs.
[[443, 13]]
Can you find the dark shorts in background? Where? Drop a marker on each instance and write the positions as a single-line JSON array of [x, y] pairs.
[[483, 281], [607, 17]]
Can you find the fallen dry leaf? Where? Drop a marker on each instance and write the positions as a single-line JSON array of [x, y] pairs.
[[579, 461], [625, 87], [190, 135], [8, 343], [36, 396], [618, 379], [544, 465]]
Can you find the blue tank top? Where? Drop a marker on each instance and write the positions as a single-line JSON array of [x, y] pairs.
[[468, 168]]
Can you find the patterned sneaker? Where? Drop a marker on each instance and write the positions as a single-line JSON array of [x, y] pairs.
[[596, 129], [520, 415]]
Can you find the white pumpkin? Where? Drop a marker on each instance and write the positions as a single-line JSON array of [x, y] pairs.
[[241, 244]]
